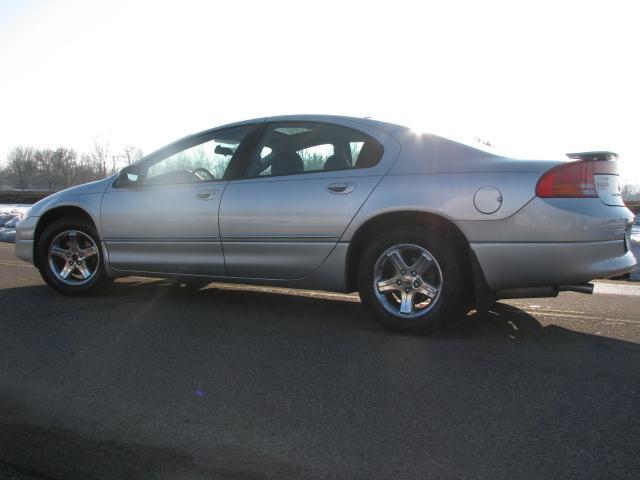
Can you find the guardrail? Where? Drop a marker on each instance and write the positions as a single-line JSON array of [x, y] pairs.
[[19, 196]]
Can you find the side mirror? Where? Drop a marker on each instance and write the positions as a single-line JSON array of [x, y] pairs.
[[129, 176]]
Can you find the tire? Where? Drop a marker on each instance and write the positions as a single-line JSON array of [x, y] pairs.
[[435, 299], [51, 265]]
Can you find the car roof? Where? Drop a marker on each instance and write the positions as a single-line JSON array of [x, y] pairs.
[[339, 119], [321, 118], [353, 122]]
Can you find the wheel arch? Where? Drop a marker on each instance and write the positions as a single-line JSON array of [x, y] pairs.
[[54, 214], [477, 291]]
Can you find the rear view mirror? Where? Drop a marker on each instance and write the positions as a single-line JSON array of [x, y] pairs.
[[129, 176], [220, 150]]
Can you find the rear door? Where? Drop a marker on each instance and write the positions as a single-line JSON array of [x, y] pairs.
[[301, 188]]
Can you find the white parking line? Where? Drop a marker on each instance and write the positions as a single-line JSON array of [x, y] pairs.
[[616, 289], [582, 316]]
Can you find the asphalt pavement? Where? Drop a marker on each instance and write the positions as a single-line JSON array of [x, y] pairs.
[[151, 380]]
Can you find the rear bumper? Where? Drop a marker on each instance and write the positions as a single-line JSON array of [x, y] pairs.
[[25, 232], [520, 265]]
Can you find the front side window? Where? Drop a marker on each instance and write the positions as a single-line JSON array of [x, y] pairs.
[[201, 162], [294, 148]]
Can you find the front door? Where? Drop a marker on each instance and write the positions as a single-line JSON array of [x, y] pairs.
[[168, 221]]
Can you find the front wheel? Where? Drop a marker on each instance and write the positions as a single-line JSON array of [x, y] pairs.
[[69, 257], [410, 281]]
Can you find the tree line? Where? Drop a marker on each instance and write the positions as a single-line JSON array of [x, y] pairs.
[[54, 169], [630, 192]]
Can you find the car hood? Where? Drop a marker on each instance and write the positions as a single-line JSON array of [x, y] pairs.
[[67, 196]]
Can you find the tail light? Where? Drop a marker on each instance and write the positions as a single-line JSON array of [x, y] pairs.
[[573, 179]]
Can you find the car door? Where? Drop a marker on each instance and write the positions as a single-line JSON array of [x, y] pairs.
[[302, 186], [167, 220]]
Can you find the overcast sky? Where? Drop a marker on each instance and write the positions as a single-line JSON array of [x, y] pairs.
[[537, 79]]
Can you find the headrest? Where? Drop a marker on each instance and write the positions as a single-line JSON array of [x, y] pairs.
[[286, 163]]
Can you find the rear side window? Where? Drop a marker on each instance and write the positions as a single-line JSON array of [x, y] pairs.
[[294, 148]]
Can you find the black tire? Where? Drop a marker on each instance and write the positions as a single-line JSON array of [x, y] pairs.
[[98, 281], [447, 307]]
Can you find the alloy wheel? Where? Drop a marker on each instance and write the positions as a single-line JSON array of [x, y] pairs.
[[74, 257], [407, 280]]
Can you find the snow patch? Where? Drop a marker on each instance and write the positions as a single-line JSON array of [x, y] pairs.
[[7, 208], [10, 214]]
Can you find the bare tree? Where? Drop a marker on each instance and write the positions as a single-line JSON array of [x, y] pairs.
[[131, 154], [86, 169], [65, 162], [47, 169], [56, 168], [22, 165], [100, 157], [3, 177], [28, 167], [629, 190]]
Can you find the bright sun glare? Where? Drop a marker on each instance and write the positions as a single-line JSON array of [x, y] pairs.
[[144, 73]]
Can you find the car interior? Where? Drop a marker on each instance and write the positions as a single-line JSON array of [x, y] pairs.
[[285, 150], [289, 151]]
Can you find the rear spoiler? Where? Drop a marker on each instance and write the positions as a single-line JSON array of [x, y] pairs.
[[593, 156]]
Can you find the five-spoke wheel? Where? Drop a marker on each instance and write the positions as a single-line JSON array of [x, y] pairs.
[[73, 257], [69, 257], [409, 279]]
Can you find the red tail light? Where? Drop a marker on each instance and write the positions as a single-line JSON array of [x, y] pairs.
[[572, 180]]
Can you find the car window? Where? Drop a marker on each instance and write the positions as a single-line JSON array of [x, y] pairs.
[[202, 162], [356, 148], [312, 147]]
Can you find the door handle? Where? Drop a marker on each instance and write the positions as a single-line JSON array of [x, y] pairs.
[[206, 194], [341, 188]]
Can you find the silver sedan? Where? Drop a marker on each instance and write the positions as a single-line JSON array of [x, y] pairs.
[[421, 226]]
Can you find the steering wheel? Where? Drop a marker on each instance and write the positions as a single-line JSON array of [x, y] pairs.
[[205, 171]]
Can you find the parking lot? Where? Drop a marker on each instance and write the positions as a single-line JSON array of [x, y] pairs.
[[150, 380]]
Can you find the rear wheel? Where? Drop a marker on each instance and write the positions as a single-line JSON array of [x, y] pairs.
[[69, 257], [410, 281]]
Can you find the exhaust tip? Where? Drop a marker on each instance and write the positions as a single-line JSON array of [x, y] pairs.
[[586, 288]]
